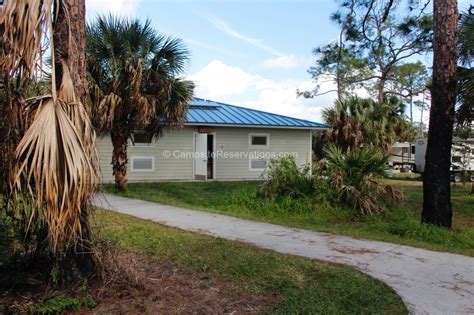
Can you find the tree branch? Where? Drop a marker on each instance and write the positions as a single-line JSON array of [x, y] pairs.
[[387, 11]]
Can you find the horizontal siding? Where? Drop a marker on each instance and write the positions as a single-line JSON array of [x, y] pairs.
[[231, 139], [165, 168], [237, 140], [104, 149]]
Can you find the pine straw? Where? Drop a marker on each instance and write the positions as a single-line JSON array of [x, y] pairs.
[[135, 284], [114, 269], [165, 288]]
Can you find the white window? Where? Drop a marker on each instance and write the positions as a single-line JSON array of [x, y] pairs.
[[140, 139], [143, 163], [258, 164], [259, 140]]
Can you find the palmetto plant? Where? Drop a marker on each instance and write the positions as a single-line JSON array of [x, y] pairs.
[[355, 177], [355, 121], [54, 169], [346, 119], [134, 83]]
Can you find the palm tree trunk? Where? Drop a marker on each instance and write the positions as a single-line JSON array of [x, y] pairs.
[[70, 44], [119, 157], [436, 182]]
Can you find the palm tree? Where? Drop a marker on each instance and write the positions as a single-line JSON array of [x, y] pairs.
[[362, 121], [54, 168], [134, 83], [346, 121]]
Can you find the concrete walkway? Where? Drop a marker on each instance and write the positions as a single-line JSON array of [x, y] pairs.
[[428, 282]]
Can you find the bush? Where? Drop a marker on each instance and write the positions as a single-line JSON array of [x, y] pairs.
[[285, 179], [7, 233], [60, 303], [351, 179], [355, 178]]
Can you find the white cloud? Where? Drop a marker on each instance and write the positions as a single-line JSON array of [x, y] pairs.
[[224, 27], [283, 62], [218, 80], [127, 8], [282, 100], [221, 82]]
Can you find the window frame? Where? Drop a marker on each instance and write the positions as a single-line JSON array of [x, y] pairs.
[[142, 144], [135, 157], [257, 169], [259, 146]]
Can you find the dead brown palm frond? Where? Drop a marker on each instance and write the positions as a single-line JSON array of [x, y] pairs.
[[141, 105], [23, 36], [55, 169], [22, 32]]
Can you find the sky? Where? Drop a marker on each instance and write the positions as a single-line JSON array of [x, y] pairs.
[[251, 53]]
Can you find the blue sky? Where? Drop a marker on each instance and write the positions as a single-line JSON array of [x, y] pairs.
[[248, 53]]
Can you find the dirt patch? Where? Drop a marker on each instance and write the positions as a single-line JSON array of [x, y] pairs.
[[164, 288]]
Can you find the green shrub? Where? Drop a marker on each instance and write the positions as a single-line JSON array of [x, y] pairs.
[[355, 178], [59, 303], [284, 178], [7, 233], [351, 179]]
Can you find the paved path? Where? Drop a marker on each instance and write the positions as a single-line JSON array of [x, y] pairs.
[[428, 282]]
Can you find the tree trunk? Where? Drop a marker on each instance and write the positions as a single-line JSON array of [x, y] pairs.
[[70, 44], [339, 87], [421, 121], [436, 182], [69, 47], [381, 89], [119, 157], [411, 108]]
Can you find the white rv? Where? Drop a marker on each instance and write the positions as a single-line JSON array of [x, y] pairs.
[[402, 156], [462, 158]]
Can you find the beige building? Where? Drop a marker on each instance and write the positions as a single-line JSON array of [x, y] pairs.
[[219, 142]]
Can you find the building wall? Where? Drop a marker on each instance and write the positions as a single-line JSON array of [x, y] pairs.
[[282, 141], [173, 158], [165, 168]]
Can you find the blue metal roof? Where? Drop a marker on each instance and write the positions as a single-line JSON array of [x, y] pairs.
[[205, 112]]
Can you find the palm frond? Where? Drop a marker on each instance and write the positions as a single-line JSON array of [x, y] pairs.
[[23, 36], [355, 174], [465, 111], [466, 38], [55, 169]]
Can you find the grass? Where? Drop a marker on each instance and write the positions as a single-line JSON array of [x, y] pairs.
[[301, 285], [59, 303], [401, 224]]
